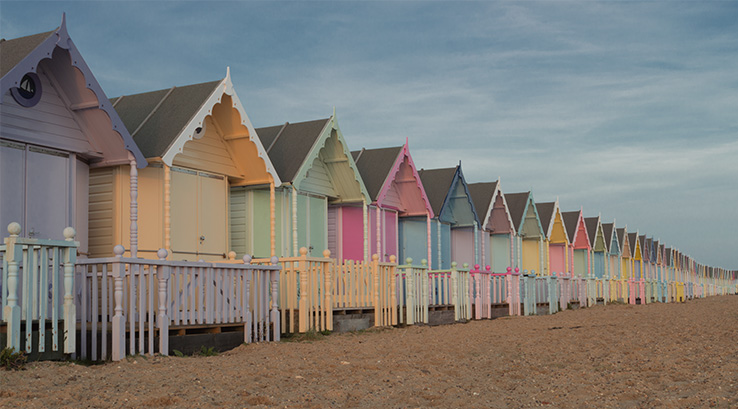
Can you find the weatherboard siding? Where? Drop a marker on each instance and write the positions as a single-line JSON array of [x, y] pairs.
[[413, 236], [209, 154], [101, 212], [462, 245], [48, 123]]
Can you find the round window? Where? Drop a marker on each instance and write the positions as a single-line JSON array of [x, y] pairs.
[[28, 92]]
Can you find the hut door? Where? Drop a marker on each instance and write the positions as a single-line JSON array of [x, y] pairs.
[[212, 215], [36, 190]]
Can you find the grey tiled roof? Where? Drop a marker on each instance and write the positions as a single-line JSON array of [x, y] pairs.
[[289, 145], [155, 119], [374, 166], [14, 51], [437, 183]]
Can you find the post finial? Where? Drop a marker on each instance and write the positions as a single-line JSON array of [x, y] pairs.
[[409, 260], [476, 266], [69, 233], [453, 264], [303, 251], [275, 260], [393, 259], [247, 259], [14, 229], [375, 256], [162, 254], [119, 250], [326, 253], [488, 268], [423, 262], [231, 255]]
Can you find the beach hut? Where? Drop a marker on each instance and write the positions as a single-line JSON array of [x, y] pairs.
[[529, 236], [636, 256], [496, 235], [400, 213], [322, 201], [626, 270], [579, 244], [57, 127], [455, 225], [198, 141], [599, 247], [613, 250], [556, 259]]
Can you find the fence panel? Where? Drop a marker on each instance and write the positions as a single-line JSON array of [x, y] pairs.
[[412, 293], [38, 285]]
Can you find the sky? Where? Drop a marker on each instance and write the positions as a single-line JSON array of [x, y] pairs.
[[625, 109]]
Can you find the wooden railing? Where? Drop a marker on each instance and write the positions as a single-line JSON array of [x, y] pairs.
[[451, 287], [359, 284], [37, 286], [139, 300], [412, 292], [305, 292], [488, 289]]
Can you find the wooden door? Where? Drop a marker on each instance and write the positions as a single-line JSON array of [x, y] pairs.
[[35, 183], [212, 215], [183, 214]]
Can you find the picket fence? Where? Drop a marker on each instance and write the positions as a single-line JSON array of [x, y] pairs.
[[142, 300]]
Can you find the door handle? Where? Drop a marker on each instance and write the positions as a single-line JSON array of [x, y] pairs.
[[202, 238]]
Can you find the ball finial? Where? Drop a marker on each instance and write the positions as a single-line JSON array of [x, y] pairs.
[[454, 264], [476, 266], [393, 259], [232, 255], [275, 260], [327, 253], [162, 254], [488, 268], [119, 250], [14, 229], [423, 262], [409, 261], [69, 233], [509, 270], [247, 259], [375, 257], [303, 251], [465, 265]]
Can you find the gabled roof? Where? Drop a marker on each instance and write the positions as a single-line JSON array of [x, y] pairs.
[[517, 203], [375, 166], [438, 183], [23, 55], [294, 148], [546, 212], [289, 145], [162, 121], [571, 221], [379, 168], [607, 234], [633, 243], [591, 223]]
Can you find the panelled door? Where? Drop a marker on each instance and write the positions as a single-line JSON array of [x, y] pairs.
[[199, 215], [35, 183]]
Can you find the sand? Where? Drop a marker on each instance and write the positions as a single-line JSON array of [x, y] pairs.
[[616, 356]]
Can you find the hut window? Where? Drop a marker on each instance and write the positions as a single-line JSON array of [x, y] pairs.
[[28, 92]]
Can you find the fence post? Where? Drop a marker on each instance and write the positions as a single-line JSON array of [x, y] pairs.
[[424, 291], [303, 305], [393, 290], [409, 292], [247, 325], [327, 292], [70, 310], [119, 320], [12, 311], [275, 299], [374, 271], [162, 274]]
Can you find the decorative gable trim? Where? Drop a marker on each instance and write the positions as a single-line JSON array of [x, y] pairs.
[[60, 38], [197, 121], [386, 185]]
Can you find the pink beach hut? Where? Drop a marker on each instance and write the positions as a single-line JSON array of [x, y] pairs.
[[400, 213]]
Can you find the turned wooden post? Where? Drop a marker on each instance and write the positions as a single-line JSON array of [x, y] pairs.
[[12, 311], [327, 292], [304, 302], [163, 273], [275, 299], [247, 336], [70, 310], [119, 320]]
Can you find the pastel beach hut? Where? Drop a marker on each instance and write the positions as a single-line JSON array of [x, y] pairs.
[[400, 213], [455, 225], [57, 129], [626, 270], [322, 200], [496, 235], [199, 142], [579, 244], [557, 242], [529, 237], [599, 246], [636, 256], [613, 260]]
